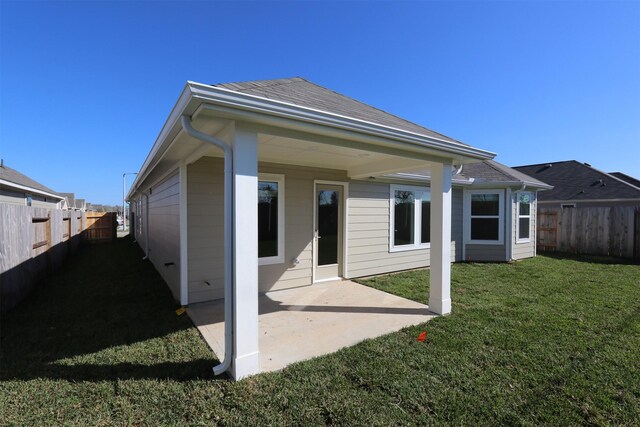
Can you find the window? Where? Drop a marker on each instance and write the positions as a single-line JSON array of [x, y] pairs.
[[484, 213], [270, 219], [524, 216], [29, 200], [410, 218]]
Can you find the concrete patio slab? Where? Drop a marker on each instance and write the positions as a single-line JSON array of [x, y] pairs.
[[302, 323]]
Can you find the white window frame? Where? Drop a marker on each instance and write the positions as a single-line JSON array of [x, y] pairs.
[[468, 217], [417, 217], [518, 216], [279, 178]]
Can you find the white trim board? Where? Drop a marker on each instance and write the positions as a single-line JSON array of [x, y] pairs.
[[345, 228], [466, 217], [280, 180]]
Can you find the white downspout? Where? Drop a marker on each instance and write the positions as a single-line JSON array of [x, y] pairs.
[[228, 243]]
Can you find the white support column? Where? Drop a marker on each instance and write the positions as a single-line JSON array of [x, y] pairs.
[[440, 271], [246, 354], [184, 253]]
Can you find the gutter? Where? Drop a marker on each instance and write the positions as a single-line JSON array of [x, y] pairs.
[[228, 242], [30, 189], [215, 96], [236, 105], [512, 184]]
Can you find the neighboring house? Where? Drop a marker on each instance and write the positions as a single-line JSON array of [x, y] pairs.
[[626, 178], [73, 204], [81, 205], [69, 201], [17, 188], [577, 184], [284, 183]]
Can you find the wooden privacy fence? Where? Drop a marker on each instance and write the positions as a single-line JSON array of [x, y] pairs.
[[101, 227], [33, 243], [613, 231]]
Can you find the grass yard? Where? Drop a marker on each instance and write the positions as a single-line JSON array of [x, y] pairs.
[[550, 340]]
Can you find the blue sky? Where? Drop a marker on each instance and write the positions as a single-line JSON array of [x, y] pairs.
[[86, 86]]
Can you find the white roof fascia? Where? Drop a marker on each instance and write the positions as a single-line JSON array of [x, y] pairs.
[[242, 101], [29, 189], [510, 184], [423, 178]]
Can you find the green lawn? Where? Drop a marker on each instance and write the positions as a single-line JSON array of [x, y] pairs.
[[551, 341]]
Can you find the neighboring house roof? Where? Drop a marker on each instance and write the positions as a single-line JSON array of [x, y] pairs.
[[71, 198], [494, 172], [12, 178], [626, 178], [573, 180], [484, 174], [304, 93]]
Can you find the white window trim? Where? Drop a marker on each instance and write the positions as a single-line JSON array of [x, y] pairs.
[[417, 218], [518, 216], [467, 217], [278, 259]]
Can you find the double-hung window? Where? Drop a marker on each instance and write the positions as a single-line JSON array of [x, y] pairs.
[[270, 219], [484, 213], [524, 216], [410, 218]]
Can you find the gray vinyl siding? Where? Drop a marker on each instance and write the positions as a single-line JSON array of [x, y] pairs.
[[526, 249], [205, 197], [456, 223], [368, 232], [164, 231], [205, 232], [298, 220], [485, 252], [15, 197]]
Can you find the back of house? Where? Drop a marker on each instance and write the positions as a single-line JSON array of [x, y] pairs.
[[327, 207]]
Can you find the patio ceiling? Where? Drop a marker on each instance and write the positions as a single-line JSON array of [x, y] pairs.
[[360, 163]]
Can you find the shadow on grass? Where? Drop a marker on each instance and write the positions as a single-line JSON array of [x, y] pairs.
[[106, 315], [593, 259]]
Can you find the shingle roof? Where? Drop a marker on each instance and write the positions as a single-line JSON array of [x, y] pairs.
[[626, 178], [303, 93], [13, 176], [573, 180], [490, 170], [71, 198]]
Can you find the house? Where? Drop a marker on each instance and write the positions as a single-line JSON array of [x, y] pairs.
[[626, 178], [17, 188], [276, 184], [577, 184]]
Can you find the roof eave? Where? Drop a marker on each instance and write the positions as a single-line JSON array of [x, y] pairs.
[[30, 189], [195, 94], [511, 184], [241, 101]]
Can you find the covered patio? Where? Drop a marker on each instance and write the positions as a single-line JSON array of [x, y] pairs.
[[302, 323], [292, 143]]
